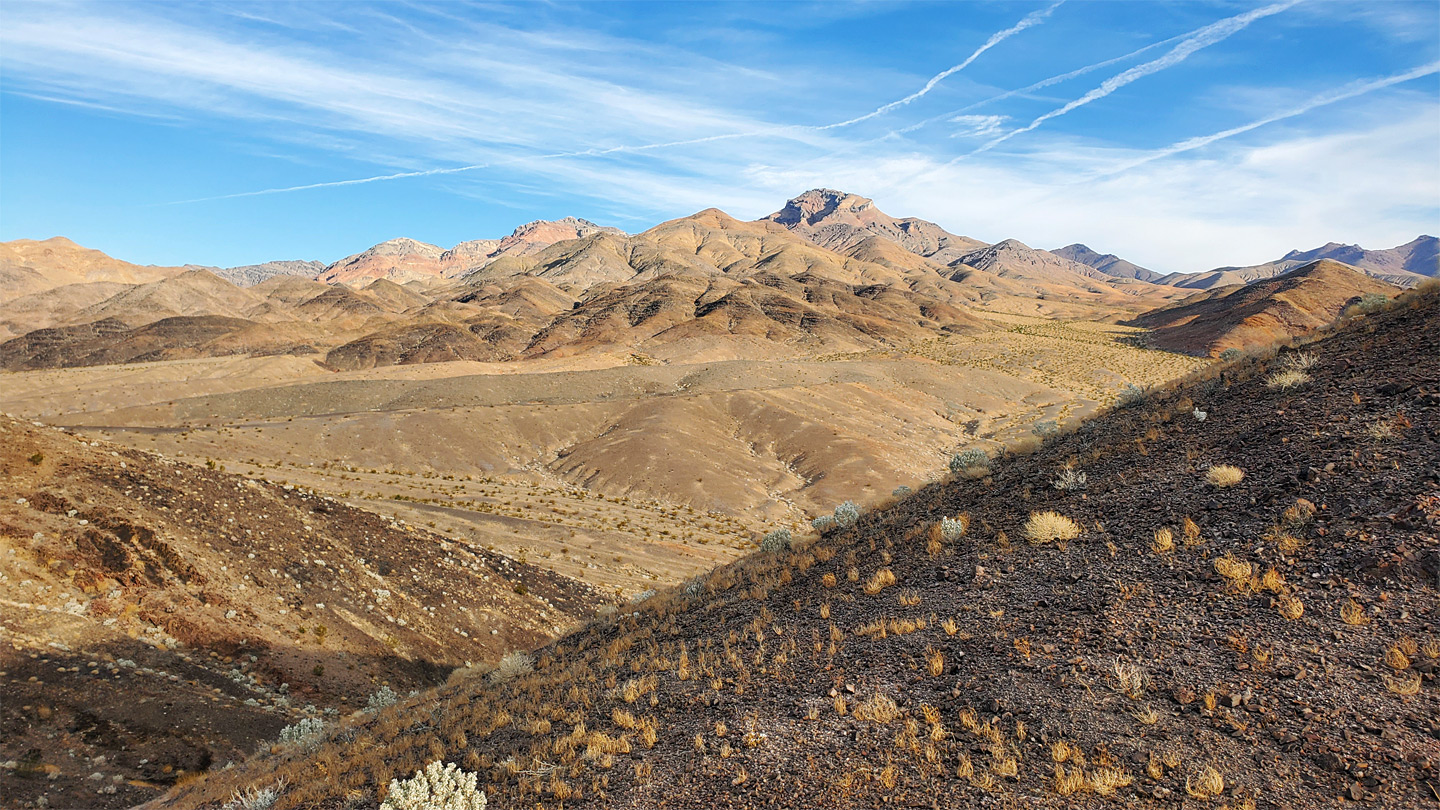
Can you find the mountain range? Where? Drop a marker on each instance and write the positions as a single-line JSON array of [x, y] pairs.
[[828, 272]]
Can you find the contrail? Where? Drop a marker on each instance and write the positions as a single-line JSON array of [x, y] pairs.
[[1341, 94], [1202, 38], [1043, 83], [473, 167], [1031, 19], [1034, 18]]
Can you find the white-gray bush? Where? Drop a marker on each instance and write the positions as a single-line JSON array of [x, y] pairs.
[[307, 733], [255, 798], [384, 697], [1045, 428], [1069, 479], [778, 540], [694, 586], [511, 666], [1200, 415], [437, 786], [900, 491], [1131, 394], [952, 529], [972, 459], [847, 514], [823, 524], [642, 596]]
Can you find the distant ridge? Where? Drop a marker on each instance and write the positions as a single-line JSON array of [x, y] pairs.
[[1107, 263], [1257, 314], [1404, 266]]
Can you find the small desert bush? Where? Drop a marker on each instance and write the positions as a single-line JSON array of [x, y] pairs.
[[1368, 303], [847, 514], [823, 524], [1224, 476], [776, 541], [900, 491], [255, 798], [438, 786], [384, 697], [1130, 395], [1067, 479], [1287, 378], [305, 734], [1045, 429], [952, 529], [971, 463], [1048, 527], [512, 665]]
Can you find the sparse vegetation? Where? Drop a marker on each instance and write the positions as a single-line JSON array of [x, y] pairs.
[[776, 541], [1049, 527], [1069, 479], [382, 698], [971, 463], [437, 786], [1224, 476]]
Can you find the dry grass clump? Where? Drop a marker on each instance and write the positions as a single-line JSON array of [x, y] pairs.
[[1291, 608], [1236, 572], [1049, 527], [1131, 678], [1352, 613], [1224, 476], [878, 709], [1205, 784], [1163, 542], [1294, 373], [1406, 685], [1395, 658], [879, 581]]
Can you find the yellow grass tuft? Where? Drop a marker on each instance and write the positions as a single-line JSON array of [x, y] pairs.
[[1224, 476], [1205, 784], [881, 580], [1164, 541], [1352, 613], [1049, 527], [878, 709], [1291, 608]]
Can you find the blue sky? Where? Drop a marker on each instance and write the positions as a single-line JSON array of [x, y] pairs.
[[1180, 135]]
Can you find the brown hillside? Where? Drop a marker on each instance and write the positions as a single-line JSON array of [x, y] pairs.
[[160, 619], [29, 266], [1270, 643], [1260, 313]]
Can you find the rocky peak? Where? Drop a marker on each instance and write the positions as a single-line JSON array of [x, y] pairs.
[[819, 204]]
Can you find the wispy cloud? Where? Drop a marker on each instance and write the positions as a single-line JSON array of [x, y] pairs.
[[1203, 38], [1031, 19], [970, 126], [1352, 90]]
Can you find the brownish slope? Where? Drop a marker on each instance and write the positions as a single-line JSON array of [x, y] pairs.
[[29, 266], [1260, 313], [167, 618], [1268, 644]]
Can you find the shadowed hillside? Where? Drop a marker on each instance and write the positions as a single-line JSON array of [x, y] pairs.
[[160, 619], [1221, 595], [1260, 313]]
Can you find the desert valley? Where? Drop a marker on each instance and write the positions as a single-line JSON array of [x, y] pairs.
[[830, 508]]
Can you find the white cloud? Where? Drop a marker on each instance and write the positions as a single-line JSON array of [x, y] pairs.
[[970, 126], [1373, 185]]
